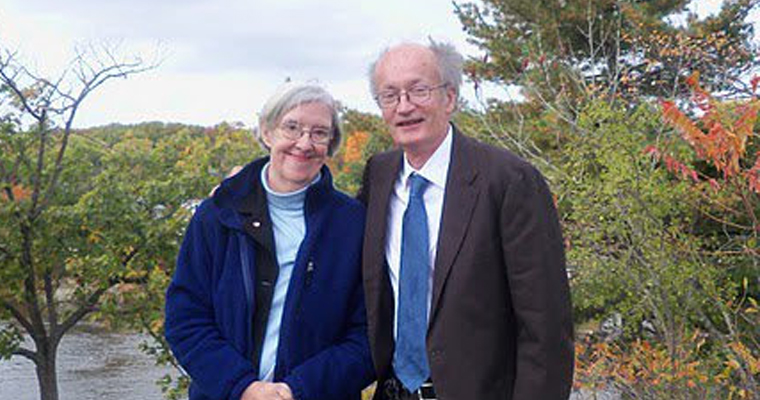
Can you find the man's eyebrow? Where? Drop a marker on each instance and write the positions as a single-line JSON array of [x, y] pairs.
[[410, 84]]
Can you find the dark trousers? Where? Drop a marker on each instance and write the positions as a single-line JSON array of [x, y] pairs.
[[393, 389]]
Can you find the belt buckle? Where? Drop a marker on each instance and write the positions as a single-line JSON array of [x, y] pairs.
[[426, 391]]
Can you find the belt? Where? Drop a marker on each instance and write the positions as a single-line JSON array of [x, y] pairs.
[[395, 390]]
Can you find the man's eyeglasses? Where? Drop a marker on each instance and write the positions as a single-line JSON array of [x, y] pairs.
[[417, 95], [317, 134]]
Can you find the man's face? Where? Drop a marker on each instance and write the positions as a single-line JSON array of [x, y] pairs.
[[417, 125]]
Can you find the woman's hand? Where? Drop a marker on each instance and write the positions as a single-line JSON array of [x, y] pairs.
[[267, 391]]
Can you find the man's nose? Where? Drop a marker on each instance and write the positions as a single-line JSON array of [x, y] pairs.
[[404, 105]]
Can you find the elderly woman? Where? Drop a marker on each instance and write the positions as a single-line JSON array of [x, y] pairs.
[[266, 301]]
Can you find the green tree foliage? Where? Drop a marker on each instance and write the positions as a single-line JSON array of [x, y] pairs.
[[627, 228], [166, 170], [111, 235], [39, 185], [636, 254], [626, 48], [92, 219]]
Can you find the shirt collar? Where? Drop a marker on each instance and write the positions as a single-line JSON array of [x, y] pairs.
[[286, 200], [436, 168]]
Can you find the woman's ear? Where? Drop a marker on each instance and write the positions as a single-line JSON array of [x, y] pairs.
[[266, 135]]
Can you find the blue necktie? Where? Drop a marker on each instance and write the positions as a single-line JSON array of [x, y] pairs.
[[410, 359]]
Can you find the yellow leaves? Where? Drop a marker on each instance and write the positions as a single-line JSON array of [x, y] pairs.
[[135, 274], [157, 326], [744, 355], [753, 308], [128, 250], [95, 237]]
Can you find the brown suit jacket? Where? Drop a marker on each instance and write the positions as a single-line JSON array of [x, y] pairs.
[[500, 322]]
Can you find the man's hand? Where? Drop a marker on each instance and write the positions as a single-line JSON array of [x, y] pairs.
[[267, 391], [232, 172]]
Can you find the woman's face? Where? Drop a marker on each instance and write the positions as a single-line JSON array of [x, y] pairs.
[[295, 162]]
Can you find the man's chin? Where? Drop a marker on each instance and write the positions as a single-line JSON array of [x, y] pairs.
[[408, 134]]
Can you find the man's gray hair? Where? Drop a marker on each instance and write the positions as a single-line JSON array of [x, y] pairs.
[[450, 64], [290, 96]]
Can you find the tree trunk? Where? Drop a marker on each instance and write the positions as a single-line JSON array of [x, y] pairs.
[[46, 371]]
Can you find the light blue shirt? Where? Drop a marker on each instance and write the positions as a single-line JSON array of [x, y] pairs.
[[289, 227]]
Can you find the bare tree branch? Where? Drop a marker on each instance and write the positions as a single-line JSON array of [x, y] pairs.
[[31, 355], [10, 81], [85, 308], [50, 299], [30, 281], [37, 177], [13, 309], [117, 70], [90, 304], [4, 251]]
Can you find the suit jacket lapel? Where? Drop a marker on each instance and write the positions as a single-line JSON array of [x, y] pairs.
[[381, 181], [377, 286], [458, 203]]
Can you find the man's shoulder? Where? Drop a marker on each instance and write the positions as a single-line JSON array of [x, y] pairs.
[[383, 161], [496, 162], [386, 157]]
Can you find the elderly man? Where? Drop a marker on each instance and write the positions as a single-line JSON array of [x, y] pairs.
[[464, 270]]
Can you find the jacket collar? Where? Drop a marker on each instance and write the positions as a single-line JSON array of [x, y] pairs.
[[242, 197]]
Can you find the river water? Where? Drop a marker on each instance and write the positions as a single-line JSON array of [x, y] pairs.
[[92, 365]]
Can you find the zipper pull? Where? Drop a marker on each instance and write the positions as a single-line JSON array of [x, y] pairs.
[[309, 272]]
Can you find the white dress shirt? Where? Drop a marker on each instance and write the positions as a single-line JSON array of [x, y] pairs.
[[435, 170]]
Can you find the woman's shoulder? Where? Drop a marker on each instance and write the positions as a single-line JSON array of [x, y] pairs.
[[205, 209], [346, 203], [206, 215], [345, 213]]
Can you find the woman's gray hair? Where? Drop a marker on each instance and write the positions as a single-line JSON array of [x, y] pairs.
[[290, 96], [450, 64]]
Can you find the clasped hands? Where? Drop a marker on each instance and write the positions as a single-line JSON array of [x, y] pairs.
[[267, 391]]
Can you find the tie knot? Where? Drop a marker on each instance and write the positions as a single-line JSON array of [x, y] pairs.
[[418, 185]]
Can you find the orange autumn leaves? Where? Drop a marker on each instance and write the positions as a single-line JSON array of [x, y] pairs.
[[355, 146], [18, 193], [352, 153], [648, 365], [719, 136]]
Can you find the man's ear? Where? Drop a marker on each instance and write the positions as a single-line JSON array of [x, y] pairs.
[[451, 99]]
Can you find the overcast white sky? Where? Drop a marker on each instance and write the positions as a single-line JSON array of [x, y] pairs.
[[222, 58]]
